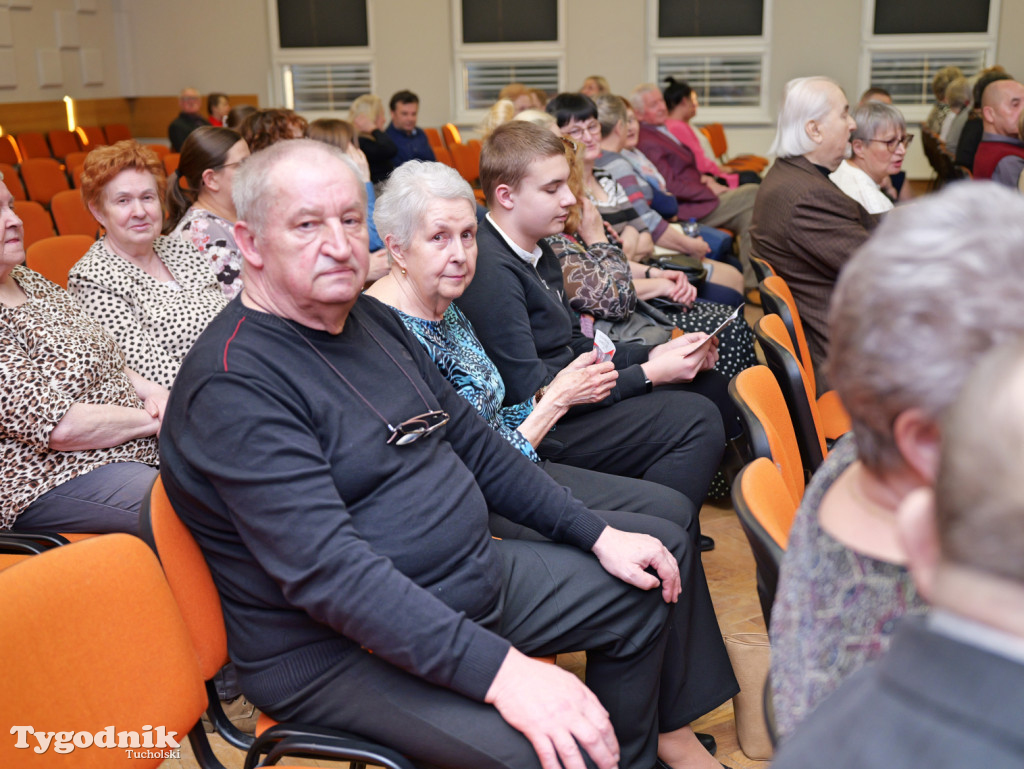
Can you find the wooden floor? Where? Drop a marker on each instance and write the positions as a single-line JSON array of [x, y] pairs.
[[730, 571]]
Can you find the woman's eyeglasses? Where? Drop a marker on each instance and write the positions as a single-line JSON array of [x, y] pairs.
[[896, 141], [577, 132]]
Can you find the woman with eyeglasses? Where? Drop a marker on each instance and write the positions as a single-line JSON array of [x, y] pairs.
[[427, 216], [203, 213], [154, 293], [880, 143]]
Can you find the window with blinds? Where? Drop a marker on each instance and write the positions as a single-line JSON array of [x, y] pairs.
[[483, 80], [908, 75], [325, 87], [720, 81]]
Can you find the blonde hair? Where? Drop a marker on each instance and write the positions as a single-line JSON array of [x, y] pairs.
[[500, 112], [367, 104]]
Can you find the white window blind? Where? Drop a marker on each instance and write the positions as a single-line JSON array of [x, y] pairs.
[[908, 75], [326, 87], [720, 80], [483, 79]]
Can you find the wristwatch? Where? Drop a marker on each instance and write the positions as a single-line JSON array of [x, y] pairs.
[[648, 384]]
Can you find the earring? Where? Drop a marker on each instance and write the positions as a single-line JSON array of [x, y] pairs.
[[403, 270]]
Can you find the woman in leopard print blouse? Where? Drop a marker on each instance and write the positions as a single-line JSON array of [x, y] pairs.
[[77, 426], [155, 294]]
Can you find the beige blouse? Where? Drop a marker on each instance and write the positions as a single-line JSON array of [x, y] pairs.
[[53, 355]]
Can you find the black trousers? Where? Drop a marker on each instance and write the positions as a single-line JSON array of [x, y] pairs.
[[669, 436], [654, 666]]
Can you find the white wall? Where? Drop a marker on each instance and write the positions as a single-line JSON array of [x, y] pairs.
[[155, 47]]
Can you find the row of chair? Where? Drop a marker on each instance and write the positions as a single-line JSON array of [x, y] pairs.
[[790, 428], [67, 216], [59, 143]]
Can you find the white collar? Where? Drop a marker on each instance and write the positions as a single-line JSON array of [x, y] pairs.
[[530, 257]]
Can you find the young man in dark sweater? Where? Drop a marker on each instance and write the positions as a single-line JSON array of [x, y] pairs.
[[339, 488]]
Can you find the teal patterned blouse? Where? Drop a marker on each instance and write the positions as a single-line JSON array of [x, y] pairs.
[[454, 347]]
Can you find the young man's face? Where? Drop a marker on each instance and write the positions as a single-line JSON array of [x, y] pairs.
[[403, 116], [541, 200]]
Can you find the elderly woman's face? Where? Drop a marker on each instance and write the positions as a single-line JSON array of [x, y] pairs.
[[441, 259], [884, 154], [130, 212], [12, 247], [632, 130]]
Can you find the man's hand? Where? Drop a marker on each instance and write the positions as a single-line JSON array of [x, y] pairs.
[[555, 711], [712, 184], [626, 555]]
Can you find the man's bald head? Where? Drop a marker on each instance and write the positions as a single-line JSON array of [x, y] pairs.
[[189, 100], [1001, 105]]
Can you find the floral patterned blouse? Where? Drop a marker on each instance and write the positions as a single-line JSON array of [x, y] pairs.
[[53, 355], [834, 609], [453, 346], [155, 323], [214, 238]]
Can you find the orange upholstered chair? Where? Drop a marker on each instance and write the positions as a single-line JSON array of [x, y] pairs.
[[62, 143], [769, 425], [38, 224], [71, 215], [715, 134], [13, 181], [778, 300], [43, 178], [442, 155], [171, 160], [90, 136], [52, 257], [116, 132], [766, 512], [193, 587], [819, 421], [159, 149], [450, 134], [9, 152], [33, 145]]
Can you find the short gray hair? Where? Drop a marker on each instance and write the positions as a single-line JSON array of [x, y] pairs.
[[636, 96], [958, 92], [252, 189], [919, 303], [804, 99], [873, 117], [611, 110], [408, 192]]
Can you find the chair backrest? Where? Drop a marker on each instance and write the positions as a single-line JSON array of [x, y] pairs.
[[797, 388], [433, 137], [43, 178], [451, 135], [159, 149], [90, 136], [442, 155], [33, 145], [467, 160], [768, 424], [53, 257], [62, 143], [73, 159], [171, 160], [762, 269], [71, 216], [766, 511], [777, 299], [116, 132], [92, 638], [13, 181], [38, 224], [189, 578], [9, 152], [716, 137]]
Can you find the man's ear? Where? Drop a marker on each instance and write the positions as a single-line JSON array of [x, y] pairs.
[[503, 196], [988, 114], [812, 131], [915, 525], [917, 438], [245, 238]]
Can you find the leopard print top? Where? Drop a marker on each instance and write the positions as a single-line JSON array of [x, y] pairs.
[[53, 355], [154, 323]]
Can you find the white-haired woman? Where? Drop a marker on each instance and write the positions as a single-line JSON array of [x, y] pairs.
[[901, 350], [367, 116], [879, 143], [426, 214]]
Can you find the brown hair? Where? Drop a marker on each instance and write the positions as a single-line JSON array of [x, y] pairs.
[[574, 156], [206, 147], [104, 163], [508, 153], [267, 126], [328, 130]]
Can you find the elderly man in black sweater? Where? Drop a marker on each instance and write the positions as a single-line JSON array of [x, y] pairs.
[[339, 488]]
